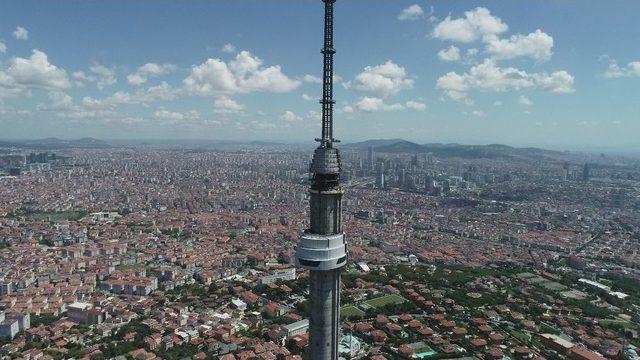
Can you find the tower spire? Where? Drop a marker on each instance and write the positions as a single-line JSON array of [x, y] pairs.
[[327, 76]]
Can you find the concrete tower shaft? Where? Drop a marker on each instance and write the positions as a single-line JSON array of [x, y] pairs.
[[322, 248]]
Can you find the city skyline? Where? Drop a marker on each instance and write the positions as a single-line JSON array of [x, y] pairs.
[[212, 71]]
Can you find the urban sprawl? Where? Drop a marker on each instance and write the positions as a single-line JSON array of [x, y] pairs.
[[172, 252]]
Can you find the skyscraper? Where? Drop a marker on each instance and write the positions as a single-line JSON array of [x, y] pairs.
[[322, 248], [586, 172]]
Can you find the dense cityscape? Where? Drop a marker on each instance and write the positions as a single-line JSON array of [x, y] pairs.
[[145, 251], [161, 196]]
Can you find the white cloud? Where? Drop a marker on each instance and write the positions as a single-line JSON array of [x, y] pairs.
[[474, 25], [3, 48], [21, 33], [497, 103], [79, 78], [476, 113], [147, 71], [111, 102], [226, 105], [489, 77], [616, 71], [163, 91], [259, 125], [244, 74], [416, 105], [313, 115], [382, 80], [634, 68], [307, 97], [175, 117], [58, 100], [371, 104], [290, 116], [228, 48], [101, 75], [312, 79], [523, 100], [104, 76], [413, 12], [557, 82], [35, 71], [451, 53], [537, 45]]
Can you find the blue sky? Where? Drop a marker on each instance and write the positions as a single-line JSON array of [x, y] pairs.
[[554, 73]]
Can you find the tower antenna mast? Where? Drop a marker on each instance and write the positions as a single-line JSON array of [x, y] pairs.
[[327, 76]]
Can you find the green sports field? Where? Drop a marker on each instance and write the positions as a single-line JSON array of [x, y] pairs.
[[350, 311], [385, 300]]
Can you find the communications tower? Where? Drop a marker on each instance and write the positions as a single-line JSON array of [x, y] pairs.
[[322, 248]]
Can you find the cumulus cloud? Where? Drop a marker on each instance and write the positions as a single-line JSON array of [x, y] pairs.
[[372, 104], [21, 33], [147, 71], [413, 12], [174, 116], [163, 91], [348, 109], [381, 81], [103, 76], [523, 100], [478, 113], [290, 116], [416, 105], [118, 98], [313, 115], [3, 48], [615, 71], [480, 24], [634, 68], [312, 79], [451, 53], [35, 71], [58, 100], [307, 97], [537, 45], [228, 48], [475, 24], [244, 74], [226, 105], [487, 76]]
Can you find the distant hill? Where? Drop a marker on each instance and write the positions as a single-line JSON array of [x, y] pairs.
[[55, 143], [450, 150]]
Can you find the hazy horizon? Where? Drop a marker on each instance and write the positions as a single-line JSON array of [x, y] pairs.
[[587, 149]]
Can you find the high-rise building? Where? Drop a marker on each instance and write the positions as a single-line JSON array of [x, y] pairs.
[[380, 178], [322, 248], [586, 172], [370, 158]]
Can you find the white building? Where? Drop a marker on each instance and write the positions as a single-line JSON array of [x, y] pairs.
[[297, 328], [284, 275]]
